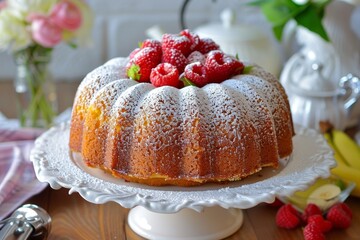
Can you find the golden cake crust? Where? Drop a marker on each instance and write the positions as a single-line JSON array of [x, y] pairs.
[[190, 136]]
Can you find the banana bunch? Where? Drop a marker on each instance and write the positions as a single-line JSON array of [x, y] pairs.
[[347, 156]]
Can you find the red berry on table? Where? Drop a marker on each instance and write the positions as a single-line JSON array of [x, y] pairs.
[[196, 73], [139, 67], [311, 209], [287, 217], [193, 37], [324, 225], [276, 203], [178, 42], [176, 58], [206, 45], [218, 66], [313, 232], [164, 74], [340, 215]]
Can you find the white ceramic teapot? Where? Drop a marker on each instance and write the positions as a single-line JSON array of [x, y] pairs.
[[247, 40], [313, 98]]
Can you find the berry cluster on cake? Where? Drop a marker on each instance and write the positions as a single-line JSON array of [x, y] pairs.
[[180, 112], [181, 60]]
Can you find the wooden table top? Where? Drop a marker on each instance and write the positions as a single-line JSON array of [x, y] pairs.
[[75, 218]]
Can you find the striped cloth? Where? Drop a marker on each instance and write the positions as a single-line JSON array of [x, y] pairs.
[[17, 177]]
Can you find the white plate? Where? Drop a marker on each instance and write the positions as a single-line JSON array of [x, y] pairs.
[[311, 158]]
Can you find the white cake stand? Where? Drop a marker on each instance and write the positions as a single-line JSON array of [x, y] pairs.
[[211, 211]]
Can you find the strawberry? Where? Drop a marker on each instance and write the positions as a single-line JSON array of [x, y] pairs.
[[196, 73], [139, 67], [196, 56], [133, 53], [313, 232], [152, 43], [206, 45], [176, 58], [178, 42], [164, 74], [287, 217], [218, 66], [311, 209], [194, 38], [323, 224], [340, 215]]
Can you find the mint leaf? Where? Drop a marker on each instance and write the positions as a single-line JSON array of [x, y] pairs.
[[187, 82], [247, 69]]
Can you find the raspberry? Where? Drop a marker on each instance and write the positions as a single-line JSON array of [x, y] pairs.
[[196, 73], [196, 56], [287, 217], [139, 67], [194, 38], [311, 209], [340, 215], [218, 66], [178, 42], [206, 45], [313, 232], [277, 203], [164, 74], [176, 58], [154, 44], [236, 67], [323, 224]]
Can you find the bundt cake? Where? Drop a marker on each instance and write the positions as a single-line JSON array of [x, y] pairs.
[[185, 132]]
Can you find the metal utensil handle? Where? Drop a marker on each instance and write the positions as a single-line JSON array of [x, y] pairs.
[[351, 84], [16, 229]]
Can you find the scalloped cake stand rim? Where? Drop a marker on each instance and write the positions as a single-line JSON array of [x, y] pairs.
[[312, 158]]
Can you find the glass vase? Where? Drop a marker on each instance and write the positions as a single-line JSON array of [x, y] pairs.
[[35, 88]]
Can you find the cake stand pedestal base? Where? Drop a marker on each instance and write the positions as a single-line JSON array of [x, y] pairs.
[[212, 223]]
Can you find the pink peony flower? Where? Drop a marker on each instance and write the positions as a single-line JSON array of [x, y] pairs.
[[45, 32], [67, 15]]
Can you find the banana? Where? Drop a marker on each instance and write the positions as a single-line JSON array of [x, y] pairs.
[[325, 196], [338, 157], [347, 148], [348, 174], [343, 147]]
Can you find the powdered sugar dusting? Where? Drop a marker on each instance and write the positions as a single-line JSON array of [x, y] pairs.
[[200, 128]]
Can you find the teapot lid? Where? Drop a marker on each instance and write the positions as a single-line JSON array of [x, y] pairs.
[[315, 81], [229, 30]]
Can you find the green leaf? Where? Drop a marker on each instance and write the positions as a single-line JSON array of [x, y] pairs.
[[134, 72], [257, 2], [312, 21], [247, 69], [187, 82], [278, 31], [279, 12]]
